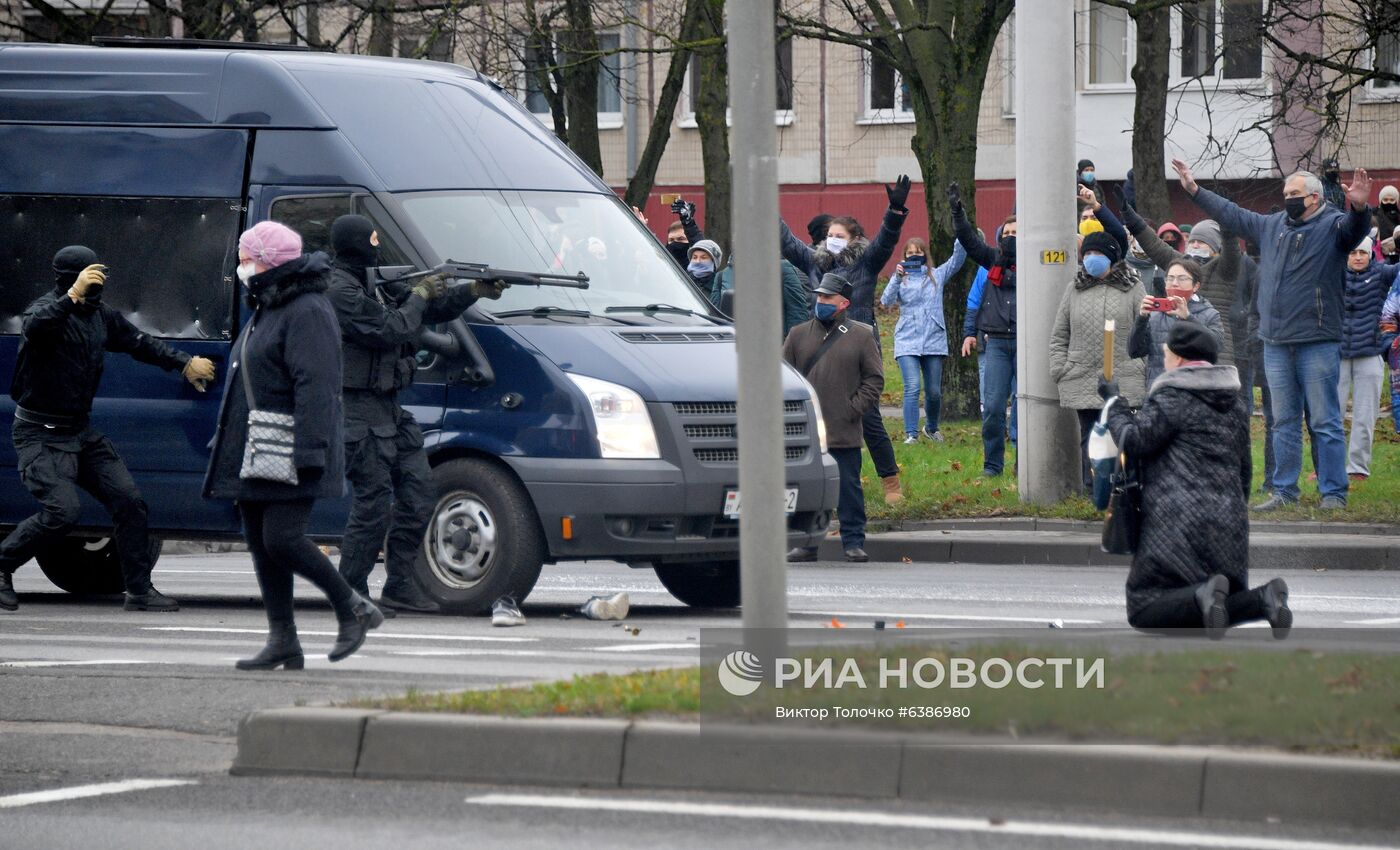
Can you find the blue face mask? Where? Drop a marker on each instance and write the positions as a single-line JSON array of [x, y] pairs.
[[825, 312], [1087, 177], [700, 267], [1096, 265]]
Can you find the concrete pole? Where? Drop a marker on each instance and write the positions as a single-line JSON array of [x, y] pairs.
[[1046, 254], [753, 99]]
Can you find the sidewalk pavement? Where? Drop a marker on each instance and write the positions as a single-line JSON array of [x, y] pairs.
[[1027, 540], [604, 753]]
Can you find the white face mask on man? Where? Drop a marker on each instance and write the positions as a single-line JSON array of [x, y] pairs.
[[245, 271], [835, 244]]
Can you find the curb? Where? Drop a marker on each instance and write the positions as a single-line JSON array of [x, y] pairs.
[[989, 524], [1350, 551], [599, 753]]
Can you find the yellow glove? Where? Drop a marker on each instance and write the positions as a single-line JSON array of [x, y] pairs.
[[199, 372], [430, 287], [93, 275], [492, 289]]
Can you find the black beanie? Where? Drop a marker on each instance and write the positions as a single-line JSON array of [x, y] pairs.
[[1083, 164], [350, 241], [1104, 244], [816, 228], [73, 259], [1191, 341]]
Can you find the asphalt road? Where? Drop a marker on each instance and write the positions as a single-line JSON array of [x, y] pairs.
[[92, 695]]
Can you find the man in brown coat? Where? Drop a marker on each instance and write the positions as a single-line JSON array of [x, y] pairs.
[[841, 359]]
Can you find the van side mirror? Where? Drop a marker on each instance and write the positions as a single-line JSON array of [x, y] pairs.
[[726, 303]]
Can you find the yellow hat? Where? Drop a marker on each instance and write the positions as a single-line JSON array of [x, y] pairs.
[[1090, 225]]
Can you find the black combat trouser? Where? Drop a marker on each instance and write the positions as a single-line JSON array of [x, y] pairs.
[[53, 464], [1178, 609], [393, 490]]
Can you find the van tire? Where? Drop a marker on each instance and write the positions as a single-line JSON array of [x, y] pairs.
[[702, 584], [87, 566], [474, 494]]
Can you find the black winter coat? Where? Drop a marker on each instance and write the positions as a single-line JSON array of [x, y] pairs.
[[293, 358], [997, 313], [59, 363], [1361, 309], [1192, 439], [860, 263]]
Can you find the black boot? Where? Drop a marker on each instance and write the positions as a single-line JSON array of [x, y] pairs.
[[1276, 610], [405, 595], [8, 600], [1211, 597], [282, 650], [361, 617], [151, 600]]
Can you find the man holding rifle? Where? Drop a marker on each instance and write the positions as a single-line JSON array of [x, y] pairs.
[[384, 456]]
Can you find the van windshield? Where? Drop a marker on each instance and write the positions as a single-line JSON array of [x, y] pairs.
[[559, 232]]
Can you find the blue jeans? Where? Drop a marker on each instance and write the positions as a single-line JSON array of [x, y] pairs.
[[1000, 377], [929, 367], [850, 504], [982, 382], [1299, 375]]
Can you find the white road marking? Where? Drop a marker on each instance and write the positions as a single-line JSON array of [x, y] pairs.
[[80, 791], [453, 653], [96, 663], [377, 635], [248, 572], [891, 820], [645, 647], [1383, 621], [959, 617]]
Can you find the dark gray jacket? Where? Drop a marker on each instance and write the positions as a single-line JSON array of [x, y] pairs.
[[293, 358], [848, 378], [860, 263], [1365, 295], [1301, 266], [1150, 333]]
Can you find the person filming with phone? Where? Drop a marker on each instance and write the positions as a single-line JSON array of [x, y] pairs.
[[1157, 316], [67, 333]]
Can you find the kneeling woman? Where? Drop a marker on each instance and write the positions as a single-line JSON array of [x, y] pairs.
[[1191, 569], [287, 361]]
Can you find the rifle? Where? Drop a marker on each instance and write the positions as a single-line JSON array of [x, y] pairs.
[[481, 271]]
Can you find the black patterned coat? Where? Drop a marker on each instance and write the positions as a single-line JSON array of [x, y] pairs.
[[1192, 439]]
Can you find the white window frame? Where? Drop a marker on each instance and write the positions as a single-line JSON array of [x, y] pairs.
[[1129, 55], [1008, 67], [869, 116], [1387, 93], [606, 120], [685, 116], [1217, 80]]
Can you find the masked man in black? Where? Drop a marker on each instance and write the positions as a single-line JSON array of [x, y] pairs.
[[384, 456], [66, 335]]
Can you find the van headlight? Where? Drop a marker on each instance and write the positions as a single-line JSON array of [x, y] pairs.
[[620, 417], [817, 409]]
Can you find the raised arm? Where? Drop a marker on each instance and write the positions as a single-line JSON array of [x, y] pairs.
[[886, 241], [1229, 214], [951, 265], [794, 250], [46, 318], [1112, 226], [1357, 223], [1231, 257], [890, 296]]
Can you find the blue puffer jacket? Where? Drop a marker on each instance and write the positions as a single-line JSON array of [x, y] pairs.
[[1302, 266], [1361, 319], [921, 329]]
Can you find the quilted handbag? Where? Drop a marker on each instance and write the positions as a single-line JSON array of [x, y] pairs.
[[1122, 524], [267, 455]]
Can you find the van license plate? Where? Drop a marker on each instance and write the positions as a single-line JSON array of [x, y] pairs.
[[731, 502]]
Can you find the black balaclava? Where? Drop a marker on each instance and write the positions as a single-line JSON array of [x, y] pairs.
[[350, 241], [816, 228], [68, 263]]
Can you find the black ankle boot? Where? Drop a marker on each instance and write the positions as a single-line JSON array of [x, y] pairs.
[[282, 650], [1211, 597], [8, 600], [1276, 610], [354, 625]]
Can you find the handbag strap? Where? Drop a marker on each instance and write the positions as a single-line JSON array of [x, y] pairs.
[[827, 342], [243, 364]]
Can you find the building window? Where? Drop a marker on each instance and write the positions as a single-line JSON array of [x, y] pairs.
[[1198, 39], [1220, 39], [887, 96], [609, 79], [1109, 45], [1244, 42], [1387, 59], [1008, 66], [783, 117]]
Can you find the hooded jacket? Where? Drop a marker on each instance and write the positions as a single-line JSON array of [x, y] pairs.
[[1191, 439], [921, 329], [1076, 342], [796, 295], [1150, 333], [1366, 293], [61, 353], [848, 378], [294, 366], [1302, 266], [860, 263]]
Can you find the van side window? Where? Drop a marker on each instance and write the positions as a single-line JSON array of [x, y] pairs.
[[313, 216], [167, 258]]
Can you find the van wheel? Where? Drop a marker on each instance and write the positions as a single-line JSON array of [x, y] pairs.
[[702, 584], [484, 540], [87, 566]]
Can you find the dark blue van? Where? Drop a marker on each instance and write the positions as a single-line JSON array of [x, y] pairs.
[[571, 424]]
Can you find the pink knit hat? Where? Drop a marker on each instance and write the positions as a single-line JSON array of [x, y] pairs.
[[270, 243]]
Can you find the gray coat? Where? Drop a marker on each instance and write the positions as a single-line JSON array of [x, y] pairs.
[[848, 378], [1076, 343], [1150, 333]]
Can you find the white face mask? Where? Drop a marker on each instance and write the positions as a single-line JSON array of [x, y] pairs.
[[1199, 253], [835, 244], [245, 271]]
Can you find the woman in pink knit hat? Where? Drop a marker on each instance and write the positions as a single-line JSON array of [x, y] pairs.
[[286, 367]]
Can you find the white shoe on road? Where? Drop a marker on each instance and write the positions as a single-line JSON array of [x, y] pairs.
[[613, 607]]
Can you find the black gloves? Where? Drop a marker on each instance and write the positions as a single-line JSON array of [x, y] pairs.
[[684, 209], [954, 198], [1107, 389], [899, 192]]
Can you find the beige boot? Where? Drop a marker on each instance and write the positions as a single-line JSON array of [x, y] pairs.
[[893, 494]]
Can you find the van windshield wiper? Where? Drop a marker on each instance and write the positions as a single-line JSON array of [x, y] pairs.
[[652, 309], [547, 312]]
